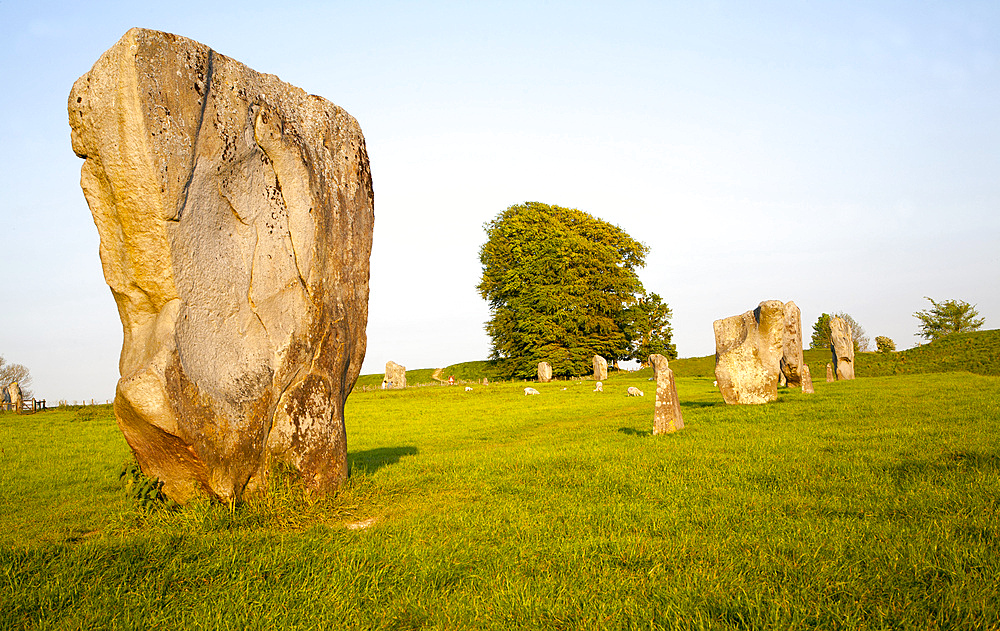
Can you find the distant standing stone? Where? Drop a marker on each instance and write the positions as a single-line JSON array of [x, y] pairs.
[[395, 375], [748, 354], [635, 392], [791, 346], [599, 387], [807, 381], [829, 373], [486, 381], [600, 368], [528, 391], [842, 347], [16, 396], [544, 372], [667, 411]]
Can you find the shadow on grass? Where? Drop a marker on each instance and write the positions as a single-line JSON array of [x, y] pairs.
[[372, 460], [948, 461], [702, 404], [631, 431]]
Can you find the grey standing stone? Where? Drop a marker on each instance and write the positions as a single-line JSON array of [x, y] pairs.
[[600, 368], [748, 354], [829, 373], [791, 346], [544, 372], [667, 410], [395, 376], [842, 347], [807, 382]]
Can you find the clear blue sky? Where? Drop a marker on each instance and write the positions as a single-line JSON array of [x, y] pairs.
[[845, 155]]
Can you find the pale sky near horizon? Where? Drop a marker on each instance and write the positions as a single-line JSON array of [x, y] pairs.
[[844, 155]]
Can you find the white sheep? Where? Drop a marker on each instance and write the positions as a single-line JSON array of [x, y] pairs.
[[528, 391], [635, 392]]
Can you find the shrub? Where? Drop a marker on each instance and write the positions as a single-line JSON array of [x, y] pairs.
[[884, 344]]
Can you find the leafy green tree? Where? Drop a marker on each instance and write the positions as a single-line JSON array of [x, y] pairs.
[[821, 331], [884, 344], [562, 287], [650, 318], [947, 317]]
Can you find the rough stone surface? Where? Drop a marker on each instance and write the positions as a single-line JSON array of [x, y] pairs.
[[235, 213], [600, 368], [791, 346], [807, 381], [667, 411], [15, 396], [544, 372], [635, 392], [395, 376], [829, 373], [748, 354], [528, 391], [842, 347]]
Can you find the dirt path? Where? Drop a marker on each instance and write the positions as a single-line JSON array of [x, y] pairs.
[[436, 375]]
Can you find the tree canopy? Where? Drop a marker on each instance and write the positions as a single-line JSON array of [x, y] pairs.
[[946, 317], [821, 331], [10, 373], [562, 287]]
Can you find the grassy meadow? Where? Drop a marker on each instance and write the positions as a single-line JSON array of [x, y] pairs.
[[870, 505]]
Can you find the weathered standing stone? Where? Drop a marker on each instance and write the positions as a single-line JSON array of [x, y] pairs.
[[395, 376], [842, 347], [16, 396], [544, 372], [600, 368], [807, 381], [667, 411], [235, 217], [748, 354], [829, 373], [791, 346]]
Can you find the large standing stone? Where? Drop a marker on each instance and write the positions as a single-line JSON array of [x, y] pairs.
[[395, 375], [791, 346], [748, 354], [600, 368], [544, 372], [667, 411], [235, 217], [807, 381], [842, 347]]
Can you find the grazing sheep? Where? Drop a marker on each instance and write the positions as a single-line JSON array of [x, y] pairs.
[[468, 389], [635, 392], [528, 391], [599, 387]]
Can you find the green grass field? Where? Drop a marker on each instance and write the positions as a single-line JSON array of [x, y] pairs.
[[869, 505]]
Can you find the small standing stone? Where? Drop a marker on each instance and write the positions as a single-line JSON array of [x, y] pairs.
[[807, 380], [486, 381], [667, 411], [599, 387], [829, 373], [544, 372], [600, 368], [395, 375], [15, 395]]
